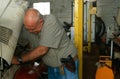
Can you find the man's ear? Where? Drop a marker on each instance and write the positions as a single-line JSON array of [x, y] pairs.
[[41, 20]]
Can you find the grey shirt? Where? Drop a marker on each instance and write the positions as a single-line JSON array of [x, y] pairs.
[[53, 36]]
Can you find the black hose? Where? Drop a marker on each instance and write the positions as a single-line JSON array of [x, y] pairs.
[[100, 28]]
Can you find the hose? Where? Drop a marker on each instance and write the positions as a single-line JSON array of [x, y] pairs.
[[99, 28]]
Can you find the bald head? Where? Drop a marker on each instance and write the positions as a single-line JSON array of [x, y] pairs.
[[31, 16], [33, 20]]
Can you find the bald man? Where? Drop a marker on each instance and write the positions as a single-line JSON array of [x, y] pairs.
[[51, 43]]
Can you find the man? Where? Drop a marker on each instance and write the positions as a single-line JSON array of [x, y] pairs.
[[52, 44]]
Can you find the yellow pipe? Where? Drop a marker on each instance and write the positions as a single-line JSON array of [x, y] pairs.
[[89, 28], [89, 33], [78, 24]]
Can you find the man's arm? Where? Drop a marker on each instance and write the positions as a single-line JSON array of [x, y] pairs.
[[37, 52]]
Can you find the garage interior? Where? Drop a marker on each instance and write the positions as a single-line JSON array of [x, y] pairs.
[[93, 25]]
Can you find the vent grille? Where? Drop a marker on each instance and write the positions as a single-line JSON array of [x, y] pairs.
[[5, 34]]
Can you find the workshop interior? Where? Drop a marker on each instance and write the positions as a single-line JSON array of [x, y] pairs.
[[92, 25]]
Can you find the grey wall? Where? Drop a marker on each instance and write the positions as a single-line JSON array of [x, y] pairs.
[[107, 9], [63, 9], [60, 8]]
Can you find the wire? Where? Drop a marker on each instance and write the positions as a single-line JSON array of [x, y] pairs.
[[5, 8]]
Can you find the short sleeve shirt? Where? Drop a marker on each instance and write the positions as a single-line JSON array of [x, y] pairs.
[[54, 36]]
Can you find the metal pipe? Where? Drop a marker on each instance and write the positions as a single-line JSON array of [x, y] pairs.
[[111, 50], [78, 24]]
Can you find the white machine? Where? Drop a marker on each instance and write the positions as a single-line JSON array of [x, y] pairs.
[[11, 21]]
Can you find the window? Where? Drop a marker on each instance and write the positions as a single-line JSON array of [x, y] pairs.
[[42, 7]]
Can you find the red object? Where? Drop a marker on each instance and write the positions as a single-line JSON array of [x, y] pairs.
[[30, 72]]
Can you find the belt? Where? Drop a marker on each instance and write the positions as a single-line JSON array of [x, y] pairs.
[[69, 59], [68, 63]]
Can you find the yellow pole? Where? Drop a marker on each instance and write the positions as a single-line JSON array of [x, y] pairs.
[[78, 24], [89, 33], [89, 29]]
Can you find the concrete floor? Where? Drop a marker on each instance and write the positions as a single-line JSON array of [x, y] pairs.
[[89, 63]]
